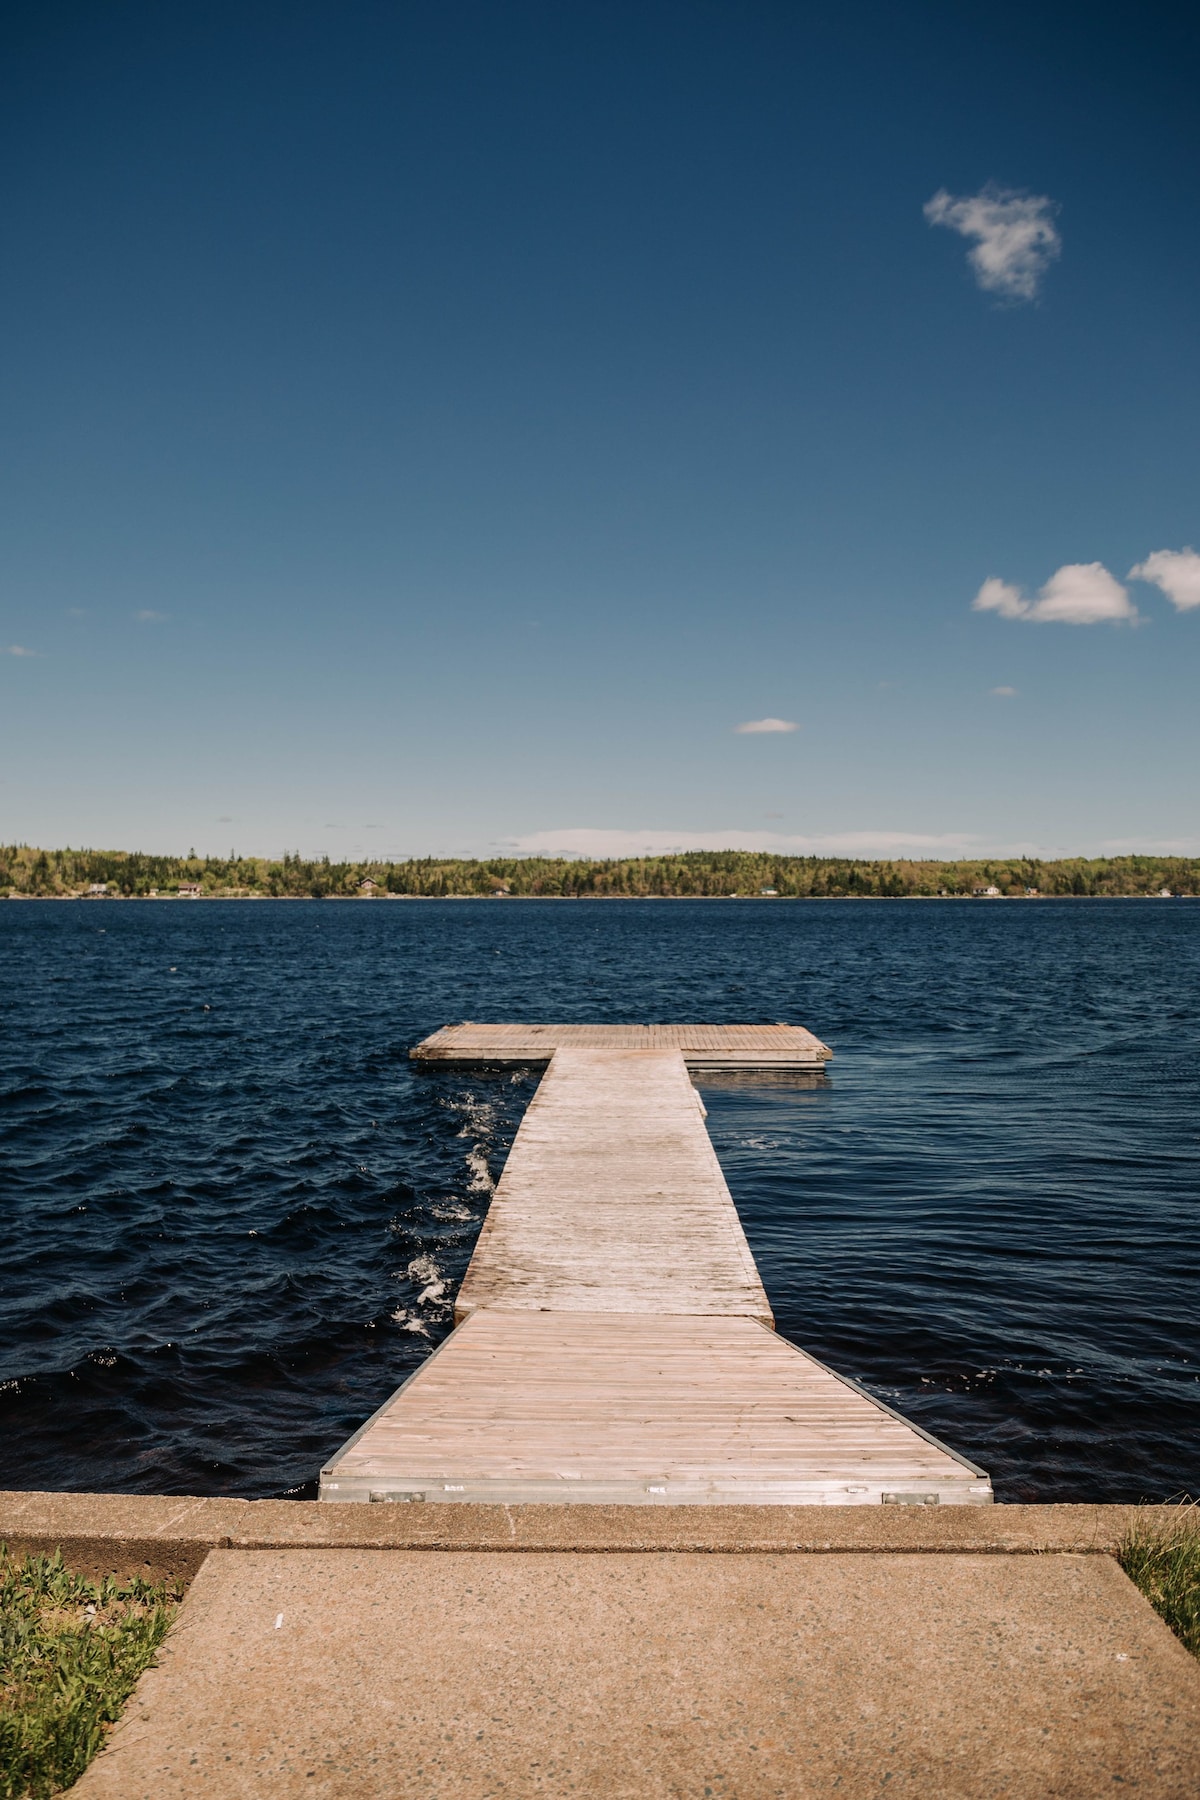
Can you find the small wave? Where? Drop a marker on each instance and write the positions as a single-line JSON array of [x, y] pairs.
[[423, 1269], [410, 1322], [480, 1180]]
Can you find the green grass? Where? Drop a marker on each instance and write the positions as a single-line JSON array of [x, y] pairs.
[[1164, 1560], [71, 1651]]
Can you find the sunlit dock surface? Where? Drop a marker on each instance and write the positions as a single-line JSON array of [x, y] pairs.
[[702, 1046]]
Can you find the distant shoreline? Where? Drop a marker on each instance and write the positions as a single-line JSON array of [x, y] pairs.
[[444, 899], [27, 872]]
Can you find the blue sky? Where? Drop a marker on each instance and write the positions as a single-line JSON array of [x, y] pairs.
[[437, 428]]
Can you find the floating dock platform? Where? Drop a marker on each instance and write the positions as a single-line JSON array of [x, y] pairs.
[[701, 1046], [614, 1342]]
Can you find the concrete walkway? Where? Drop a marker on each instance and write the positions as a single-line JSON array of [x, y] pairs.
[[392, 1674], [473, 1652]]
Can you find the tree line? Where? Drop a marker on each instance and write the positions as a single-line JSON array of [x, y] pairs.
[[26, 871]]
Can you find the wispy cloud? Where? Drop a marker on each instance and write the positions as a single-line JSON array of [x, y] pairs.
[[1015, 238], [595, 841], [1005, 693], [1001, 597], [148, 616], [18, 650], [1176, 572], [1132, 846], [1076, 594], [751, 726]]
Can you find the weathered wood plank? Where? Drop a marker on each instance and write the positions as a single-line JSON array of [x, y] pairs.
[[526, 1406], [703, 1046], [612, 1199]]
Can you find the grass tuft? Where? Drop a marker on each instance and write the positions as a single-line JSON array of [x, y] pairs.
[[71, 1651], [1164, 1561]]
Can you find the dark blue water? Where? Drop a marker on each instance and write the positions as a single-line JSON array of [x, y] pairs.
[[224, 1186]]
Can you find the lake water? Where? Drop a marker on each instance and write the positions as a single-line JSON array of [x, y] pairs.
[[224, 1186]]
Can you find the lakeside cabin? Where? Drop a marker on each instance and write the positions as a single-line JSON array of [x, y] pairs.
[[190, 890]]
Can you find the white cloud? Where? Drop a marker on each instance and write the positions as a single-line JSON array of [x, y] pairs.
[[595, 841], [1005, 693], [1082, 594], [1015, 236], [1176, 572], [18, 650], [1076, 594], [756, 725], [1000, 596], [148, 616]]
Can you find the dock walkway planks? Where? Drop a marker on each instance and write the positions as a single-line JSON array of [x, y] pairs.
[[615, 1341], [612, 1200], [586, 1407]]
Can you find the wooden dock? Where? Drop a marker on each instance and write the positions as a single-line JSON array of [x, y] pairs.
[[702, 1046], [614, 1342]]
